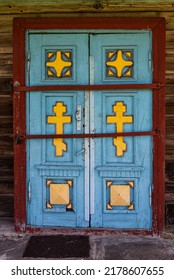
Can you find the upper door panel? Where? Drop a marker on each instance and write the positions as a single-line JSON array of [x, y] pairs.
[[58, 59], [122, 58]]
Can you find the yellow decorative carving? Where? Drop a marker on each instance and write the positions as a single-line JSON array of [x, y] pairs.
[[131, 184], [50, 73], [108, 206], [70, 183], [119, 63], [59, 120], [59, 64], [119, 119], [50, 54], [67, 54], [59, 194], [48, 205], [48, 182], [131, 207], [128, 73], [108, 183], [120, 195], [128, 54], [69, 206]]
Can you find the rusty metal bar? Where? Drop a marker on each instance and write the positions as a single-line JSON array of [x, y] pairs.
[[20, 138], [85, 87]]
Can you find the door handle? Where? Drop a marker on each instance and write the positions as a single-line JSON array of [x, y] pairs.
[[80, 152]]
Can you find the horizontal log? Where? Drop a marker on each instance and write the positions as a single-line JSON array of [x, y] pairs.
[[169, 157], [6, 206], [6, 28], [6, 20], [169, 100], [6, 59], [6, 41], [169, 131], [169, 78], [6, 129], [169, 171], [7, 188], [170, 142], [6, 107], [5, 87], [6, 50], [170, 122], [169, 109], [169, 36], [87, 6], [7, 177], [169, 63], [169, 89], [6, 153], [6, 71]]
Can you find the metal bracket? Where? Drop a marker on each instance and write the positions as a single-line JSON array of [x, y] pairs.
[[19, 139], [16, 84], [29, 192]]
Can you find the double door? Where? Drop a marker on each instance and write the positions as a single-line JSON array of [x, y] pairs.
[[87, 176]]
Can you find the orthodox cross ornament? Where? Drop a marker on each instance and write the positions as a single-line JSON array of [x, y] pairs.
[[119, 120], [59, 64], [59, 120], [119, 64]]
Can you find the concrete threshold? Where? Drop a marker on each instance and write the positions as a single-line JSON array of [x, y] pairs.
[[103, 246]]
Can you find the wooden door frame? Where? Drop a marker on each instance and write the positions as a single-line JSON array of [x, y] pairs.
[[157, 27]]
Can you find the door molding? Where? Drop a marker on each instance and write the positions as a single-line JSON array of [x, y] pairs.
[[157, 27]]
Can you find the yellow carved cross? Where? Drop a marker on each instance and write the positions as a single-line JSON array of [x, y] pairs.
[[119, 62], [59, 120], [59, 64], [119, 119]]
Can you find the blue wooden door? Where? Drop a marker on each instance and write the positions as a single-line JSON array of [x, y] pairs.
[[82, 182], [56, 193], [122, 166]]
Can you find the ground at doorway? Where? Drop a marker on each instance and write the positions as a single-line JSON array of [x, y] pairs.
[[102, 247]]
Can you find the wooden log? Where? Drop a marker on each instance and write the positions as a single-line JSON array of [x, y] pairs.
[[169, 90], [6, 206], [6, 187], [6, 127], [24, 7], [6, 106]]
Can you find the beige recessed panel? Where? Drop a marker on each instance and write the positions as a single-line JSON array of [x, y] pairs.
[[59, 194], [120, 195]]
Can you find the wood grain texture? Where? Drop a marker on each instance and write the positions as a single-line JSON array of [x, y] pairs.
[[23, 7]]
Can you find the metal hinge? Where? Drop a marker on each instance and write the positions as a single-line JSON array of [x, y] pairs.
[[29, 192], [28, 61], [91, 67], [150, 60], [150, 196]]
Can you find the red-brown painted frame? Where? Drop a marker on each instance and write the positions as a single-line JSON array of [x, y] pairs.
[[157, 26]]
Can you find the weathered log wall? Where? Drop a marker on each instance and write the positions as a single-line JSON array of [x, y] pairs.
[[76, 8]]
